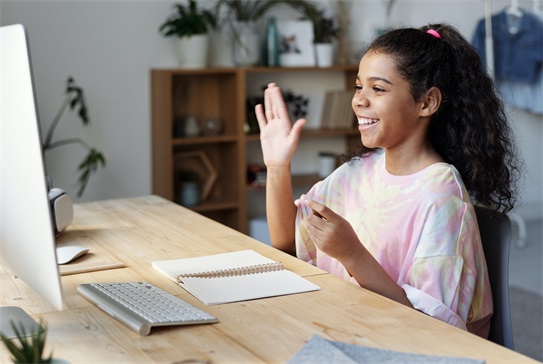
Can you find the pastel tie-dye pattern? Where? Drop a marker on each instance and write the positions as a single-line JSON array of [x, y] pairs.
[[421, 228]]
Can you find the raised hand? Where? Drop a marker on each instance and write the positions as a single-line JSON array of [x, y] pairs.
[[278, 137]]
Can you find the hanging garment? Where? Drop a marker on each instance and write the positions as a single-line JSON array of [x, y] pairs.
[[517, 55], [518, 58]]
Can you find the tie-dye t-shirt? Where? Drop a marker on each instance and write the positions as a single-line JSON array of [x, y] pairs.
[[421, 228]]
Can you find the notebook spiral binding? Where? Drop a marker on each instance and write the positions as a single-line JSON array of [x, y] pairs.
[[259, 268]]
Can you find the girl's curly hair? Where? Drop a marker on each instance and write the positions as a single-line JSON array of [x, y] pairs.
[[470, 129]]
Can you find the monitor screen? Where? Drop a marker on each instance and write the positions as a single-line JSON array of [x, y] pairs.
[[27, 239]]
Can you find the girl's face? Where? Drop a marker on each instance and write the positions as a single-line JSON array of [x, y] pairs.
[[388, 116]]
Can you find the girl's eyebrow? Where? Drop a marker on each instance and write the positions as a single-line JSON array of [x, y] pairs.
[[376, 79]]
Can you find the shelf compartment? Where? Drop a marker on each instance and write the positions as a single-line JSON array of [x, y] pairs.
[[228, 216], [218, 160], [215, 206], [219, 91], [197, 163]]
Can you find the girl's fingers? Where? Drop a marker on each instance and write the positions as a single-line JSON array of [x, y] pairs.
[[279, 108], [260, 117], [274, 104], [268, 105], [318, 209]]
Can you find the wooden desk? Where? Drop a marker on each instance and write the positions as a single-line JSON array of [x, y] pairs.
[[138, 231]]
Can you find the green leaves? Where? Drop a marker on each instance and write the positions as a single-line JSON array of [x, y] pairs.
[[245, 10], [88, 166], [75, 94], [29, 348], [187, 21], [324, 27], [76, 101]]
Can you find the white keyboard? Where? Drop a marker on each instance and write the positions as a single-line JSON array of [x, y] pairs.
[[141, 305]]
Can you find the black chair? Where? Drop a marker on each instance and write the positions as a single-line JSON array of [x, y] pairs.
[[495, 229]]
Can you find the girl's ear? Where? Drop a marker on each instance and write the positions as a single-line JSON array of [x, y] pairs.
[[431, 102]]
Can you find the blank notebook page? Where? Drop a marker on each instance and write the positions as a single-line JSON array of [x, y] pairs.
[[219, 290], [232, 288]]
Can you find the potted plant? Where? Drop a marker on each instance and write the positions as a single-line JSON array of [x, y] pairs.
[[389, 4], [27, 348], [243, 10], [325, 31], [190, 27], [94, 159], [241, 16]]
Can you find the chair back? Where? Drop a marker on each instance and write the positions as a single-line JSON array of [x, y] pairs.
[[495, 229]]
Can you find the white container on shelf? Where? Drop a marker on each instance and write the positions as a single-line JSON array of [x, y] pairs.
[[327, 164]]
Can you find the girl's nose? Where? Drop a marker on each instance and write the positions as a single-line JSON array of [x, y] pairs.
[[359, 100]]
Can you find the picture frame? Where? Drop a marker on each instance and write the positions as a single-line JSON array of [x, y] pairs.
[[296, 43]]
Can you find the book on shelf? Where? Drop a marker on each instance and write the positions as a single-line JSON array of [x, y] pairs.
[[337, 112], [233, 277]]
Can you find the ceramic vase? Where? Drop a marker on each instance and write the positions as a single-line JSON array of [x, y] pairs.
[[324, 53], [246, 48], [192, 51]]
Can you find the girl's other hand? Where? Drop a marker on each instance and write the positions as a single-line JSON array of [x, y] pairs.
[[330, 232], [278, 137]]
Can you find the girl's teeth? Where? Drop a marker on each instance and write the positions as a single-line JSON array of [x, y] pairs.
[[364, 121]]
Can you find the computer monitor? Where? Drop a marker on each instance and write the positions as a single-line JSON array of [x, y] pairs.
[[27, 239]]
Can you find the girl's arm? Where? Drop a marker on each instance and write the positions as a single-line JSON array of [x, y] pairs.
[[279, 140], [280, 209], [333, 235]]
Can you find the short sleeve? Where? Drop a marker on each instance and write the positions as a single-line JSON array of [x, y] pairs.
[[441, 287], [446, 279]]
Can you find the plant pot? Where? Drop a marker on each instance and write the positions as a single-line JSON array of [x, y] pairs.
[[324, 53], [192, 51], [246, 45]]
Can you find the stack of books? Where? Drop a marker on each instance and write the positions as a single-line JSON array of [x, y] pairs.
[[337, 112]]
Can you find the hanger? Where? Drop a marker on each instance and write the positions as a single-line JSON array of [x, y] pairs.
[[513, 10], [514, 17]]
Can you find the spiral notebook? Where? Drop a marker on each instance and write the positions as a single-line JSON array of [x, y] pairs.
[[233, 277]]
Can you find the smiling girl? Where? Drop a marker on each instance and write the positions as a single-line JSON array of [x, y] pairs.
[[398, 217]]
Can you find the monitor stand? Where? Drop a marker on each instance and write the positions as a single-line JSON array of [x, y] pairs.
[[19, 317]]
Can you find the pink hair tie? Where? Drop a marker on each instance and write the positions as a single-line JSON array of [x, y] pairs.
[[434, 33]]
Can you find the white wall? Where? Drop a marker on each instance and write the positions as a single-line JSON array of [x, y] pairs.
[[109, 47]]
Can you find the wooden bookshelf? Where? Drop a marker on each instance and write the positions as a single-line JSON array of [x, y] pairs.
[[218, 93]]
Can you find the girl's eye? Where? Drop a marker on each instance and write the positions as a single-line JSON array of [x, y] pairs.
[[357, 88], [377, 89]]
